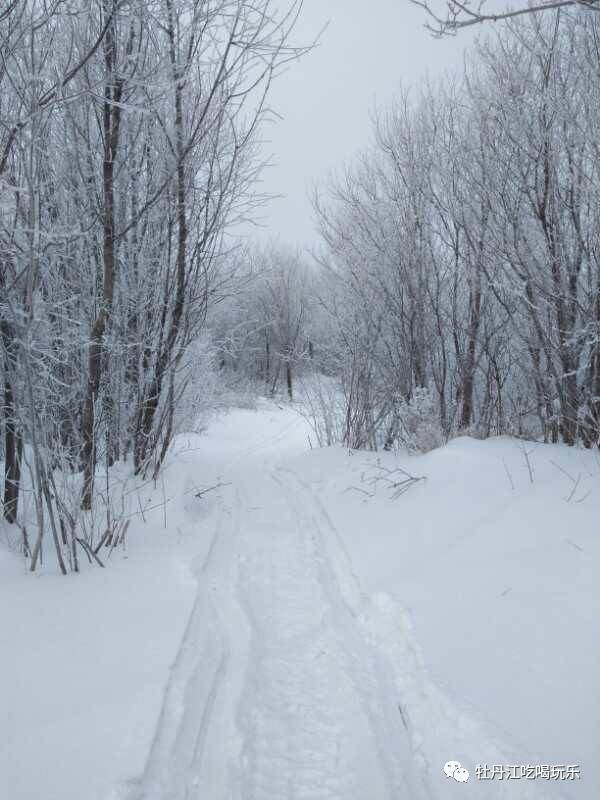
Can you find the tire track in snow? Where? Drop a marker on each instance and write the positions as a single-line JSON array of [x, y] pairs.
[[311, 701], [181, 764], [372, 673], [289, 677], [438, 729]]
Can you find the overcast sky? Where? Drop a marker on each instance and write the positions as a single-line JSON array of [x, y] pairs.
[[326, 99]]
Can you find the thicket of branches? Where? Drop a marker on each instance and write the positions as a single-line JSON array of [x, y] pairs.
[[265, 330], [462, 251], [458, 287], [451, 16], [128, 148]]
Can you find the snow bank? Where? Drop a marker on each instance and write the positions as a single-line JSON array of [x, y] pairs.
[[495, 558], [477, 587], [85, 658]]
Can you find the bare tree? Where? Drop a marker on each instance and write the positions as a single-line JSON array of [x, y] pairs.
[[455, 15], [129, 136], [462, 249]]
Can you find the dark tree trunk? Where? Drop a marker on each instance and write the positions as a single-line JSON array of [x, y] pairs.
[[149, 404], [288, 378], [98, 358], [468, 383], [267, 360], [13, 441], [592, 422]]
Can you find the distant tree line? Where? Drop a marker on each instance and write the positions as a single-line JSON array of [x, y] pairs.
[[461, 252]]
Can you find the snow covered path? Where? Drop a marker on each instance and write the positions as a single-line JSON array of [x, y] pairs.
[[292, 683], [283, 639], [311, 702], [275, 693]]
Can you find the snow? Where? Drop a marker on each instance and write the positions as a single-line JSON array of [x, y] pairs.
[[85, 659], [498, 584], [287, 636]]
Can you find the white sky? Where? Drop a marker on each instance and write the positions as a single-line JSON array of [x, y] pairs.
[[326, 99]]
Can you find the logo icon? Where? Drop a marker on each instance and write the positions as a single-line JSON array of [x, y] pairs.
[[454, 769]]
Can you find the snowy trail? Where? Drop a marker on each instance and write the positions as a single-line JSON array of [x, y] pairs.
[[181, 761], [312, 697], [293, 684], [275, 693], [433, 726]]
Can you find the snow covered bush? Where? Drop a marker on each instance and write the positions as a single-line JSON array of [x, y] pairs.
[[321, 402], [419, 427]]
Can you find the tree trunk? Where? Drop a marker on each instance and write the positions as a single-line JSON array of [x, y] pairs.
[[13, 442], [469, 367], [288, 378], [149, 404], [98, 358]]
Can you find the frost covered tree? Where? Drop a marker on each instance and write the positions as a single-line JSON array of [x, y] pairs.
[[264, 330], [128, 152], [453, 15], [461, 249]]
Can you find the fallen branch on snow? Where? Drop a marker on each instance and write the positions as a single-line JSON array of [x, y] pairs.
[[396, 479]]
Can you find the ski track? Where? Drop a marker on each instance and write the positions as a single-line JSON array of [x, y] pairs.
[[308, 707], [435, 726], [291, 683], [182, 762]]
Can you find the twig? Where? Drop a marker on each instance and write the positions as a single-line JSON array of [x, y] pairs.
[[403, 717], [528, 461], [585, 496], [508, 475], [564, 471], [120, 537], [573, 544], [389, 477], [575, 481], [103, 538], [574, 489], [210, 489], [90, 553], [358, 489]]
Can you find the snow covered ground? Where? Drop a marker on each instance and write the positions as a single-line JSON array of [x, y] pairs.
[[299, 634]]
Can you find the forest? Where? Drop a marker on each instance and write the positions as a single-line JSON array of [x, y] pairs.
[[454, 287], [290, 518]]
